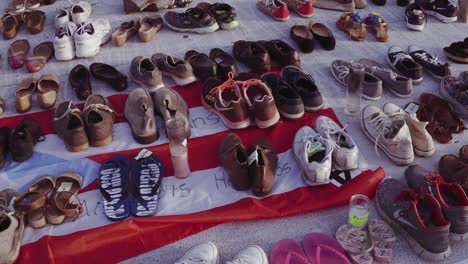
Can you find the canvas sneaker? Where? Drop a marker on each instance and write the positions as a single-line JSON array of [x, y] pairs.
[[429, 62], [415, 18], [250, 255], [80, 12], [404, 64], [62, 16], [314, 155], [64, 42], [391, 136], [345, 151], [423, 144], [417, 216], [304, 8], [206, 252], [444, 10], [452, 198], [277, 9]]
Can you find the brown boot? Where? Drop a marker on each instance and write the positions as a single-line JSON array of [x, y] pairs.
[[233, 157], [69, 125], [99, 119], [262, 164], [23, 139], [453, 169]]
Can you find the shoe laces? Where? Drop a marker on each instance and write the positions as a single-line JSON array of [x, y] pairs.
[[96, 107], [383, 125], [393, 75], [427, 57], [228, 84], [399, 57], [192, 261], [269, 3], [332, 129]]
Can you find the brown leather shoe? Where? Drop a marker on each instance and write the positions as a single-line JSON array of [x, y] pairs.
[[281, 52], [24, 94], [225, 62], [464, 153], [139, 113], [303, 37], [169, 104], [252, 54], [99, 119], [10, 24], [17, 53], [80, 81], [132, 6], [4, 136], [124, 32], [262, 163], [203, 66], [34, 21], [23, 139], [149, 27], [233, 157], [41, 55], [69, 124], [47, 86], [453, 169], [110, 75]]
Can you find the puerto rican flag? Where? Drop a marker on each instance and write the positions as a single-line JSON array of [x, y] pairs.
[[186, 206]]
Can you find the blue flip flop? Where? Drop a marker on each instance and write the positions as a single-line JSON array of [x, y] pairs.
[[113, 181], [147, 174]]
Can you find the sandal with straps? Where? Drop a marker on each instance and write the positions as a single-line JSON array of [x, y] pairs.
[[17, 53], [353, 25], [356, 243], [64, 201], [33, 202], [383, 240], [378, 25]]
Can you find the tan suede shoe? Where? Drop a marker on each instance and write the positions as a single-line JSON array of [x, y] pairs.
[[99, 119], [24, 94], [69, 125], [47, 86], [139, 113]]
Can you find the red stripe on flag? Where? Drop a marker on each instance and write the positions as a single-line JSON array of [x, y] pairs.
[[132, 237]]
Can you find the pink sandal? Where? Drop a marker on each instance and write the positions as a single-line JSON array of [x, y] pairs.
[[321, 248], [17, 53], [356, 243], [383, 240], [288, 251]]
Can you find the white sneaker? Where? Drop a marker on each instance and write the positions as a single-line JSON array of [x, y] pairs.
[[392, 136], [62, 16], [423, 144], [64, 42], [104, 28], [87, 40], [80, 12], [203, 253], [250, 255], [314, 155], [345, 151]]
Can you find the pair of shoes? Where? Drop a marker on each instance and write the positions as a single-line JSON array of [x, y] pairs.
[[404, 63], [458, 51], [146, 28], [426, 211], [391, 135], [20, 141], [217, 65], [207, 252], [315, 148], [79, 129], [50, 200], [11, 227], [130, 186], [398, 84], [18, 55], [279, 9], [443, 121], [257, 55], [341, 5], [233, 99], [305, 36], [204, 18], [148, 72], [78, 13], [374, 242], [353, 25], [455, 169], [317, 248], [84, 41], [140, 107], [371, 85], [415, 18], [47, 87], [19, 6], [444, 10], [80, 78], [455, 91], [10, 23], [132, 6], [254, 167]]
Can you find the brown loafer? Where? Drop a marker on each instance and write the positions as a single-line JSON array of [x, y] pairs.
[[69, 125], [10, 24], [110, 75], [41, 55], [149, 27], [139, 113], [24, 138], [80, 81], [64, 202], [225, 62], [323, 35], [47, 86], [17, 53], [24, 94], [99, 119], [262, 163], [253, 55], [233, 157], [34, 21], [303, 37], [124, 32], [282, 52], [203, 66]]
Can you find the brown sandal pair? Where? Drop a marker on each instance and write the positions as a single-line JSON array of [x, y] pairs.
[[51, 200], [47, 87], [10, 23], [18, 55]]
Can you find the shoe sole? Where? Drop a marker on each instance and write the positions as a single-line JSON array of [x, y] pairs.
[[396, 160], [415, 81], [268, 123], [417, 248], [291, 116], [180, 81], [453, 102], [303, 15], [362, 95], [424, 154], [229, 26], [203, 30], [150, 88], [233, 125], [275, 18], [441, 17], [456, 58]]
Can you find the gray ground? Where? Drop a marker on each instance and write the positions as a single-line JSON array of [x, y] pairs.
[[231, 238]]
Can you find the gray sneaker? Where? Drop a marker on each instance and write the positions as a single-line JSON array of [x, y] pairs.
[[371, 86], [455, 91], [418, 217], [451, 196], [396, 83]]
